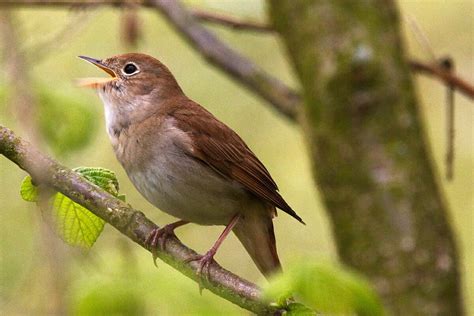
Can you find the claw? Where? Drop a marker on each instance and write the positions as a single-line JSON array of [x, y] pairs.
[[158, 237], [152, 242], [203, 267]]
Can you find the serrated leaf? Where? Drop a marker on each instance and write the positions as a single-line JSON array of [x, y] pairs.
[[75, 224], [28, 191], [101, 177]]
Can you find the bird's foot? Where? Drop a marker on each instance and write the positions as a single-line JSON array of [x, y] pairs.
[[204, 262], [158, 237]]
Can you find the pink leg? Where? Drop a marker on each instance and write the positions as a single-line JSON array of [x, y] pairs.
[[158, 236], [208, 257]]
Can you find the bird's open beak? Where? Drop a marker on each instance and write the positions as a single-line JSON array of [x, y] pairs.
[[96, 82]]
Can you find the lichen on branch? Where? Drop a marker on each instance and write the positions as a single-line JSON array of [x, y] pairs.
[[130, 222]]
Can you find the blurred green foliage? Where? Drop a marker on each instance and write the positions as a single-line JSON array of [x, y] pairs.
[[66, 121], [26, 283], [115, 298], [328, 288]]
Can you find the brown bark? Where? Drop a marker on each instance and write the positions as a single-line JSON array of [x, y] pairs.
[[130, 222], [371, 161], [267, 87]]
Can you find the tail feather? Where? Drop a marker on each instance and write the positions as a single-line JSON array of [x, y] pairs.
[[255, 232]]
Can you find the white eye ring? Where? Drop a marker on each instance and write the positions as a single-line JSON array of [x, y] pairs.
[[130, 69]]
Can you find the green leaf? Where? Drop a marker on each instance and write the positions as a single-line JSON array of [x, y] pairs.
[[101, 177], [28, 191], [327, 288], [75, 224]]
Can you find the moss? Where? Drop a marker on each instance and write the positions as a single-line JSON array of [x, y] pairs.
[[9, 145], [368, 148]]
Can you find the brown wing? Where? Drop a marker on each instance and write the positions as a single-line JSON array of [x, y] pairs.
[[218, 146]]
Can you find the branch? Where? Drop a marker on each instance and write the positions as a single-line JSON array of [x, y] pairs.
[[63, 3], [58, 39], [23, 101], [231, 21], [130, 222], [200, 14], [284, 99], [450, 79]]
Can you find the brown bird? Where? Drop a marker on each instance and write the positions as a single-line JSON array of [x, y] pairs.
[[185, 161]]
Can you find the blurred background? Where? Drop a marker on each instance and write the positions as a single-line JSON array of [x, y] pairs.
[[40, 275]]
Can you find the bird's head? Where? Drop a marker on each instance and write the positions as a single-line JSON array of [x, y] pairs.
[[138, 85], [133, 73]]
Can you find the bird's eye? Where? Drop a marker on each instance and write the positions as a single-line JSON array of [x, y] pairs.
[[130, 69]]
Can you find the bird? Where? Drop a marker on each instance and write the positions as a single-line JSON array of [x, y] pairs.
[[185, 161]]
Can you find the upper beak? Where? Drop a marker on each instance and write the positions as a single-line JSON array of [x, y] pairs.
[[97, 82]]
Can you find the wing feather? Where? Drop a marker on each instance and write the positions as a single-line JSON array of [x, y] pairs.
[[219, 147]]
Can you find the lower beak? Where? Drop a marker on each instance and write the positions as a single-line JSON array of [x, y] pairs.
[[96, 82]]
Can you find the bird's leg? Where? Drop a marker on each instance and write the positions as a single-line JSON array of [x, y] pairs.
[[158, 236], [208, 257]]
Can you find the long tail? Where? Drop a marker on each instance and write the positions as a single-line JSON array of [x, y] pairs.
[[255, 232]]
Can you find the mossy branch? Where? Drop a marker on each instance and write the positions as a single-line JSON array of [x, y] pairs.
[[129, 221]]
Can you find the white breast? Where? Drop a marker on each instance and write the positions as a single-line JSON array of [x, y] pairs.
[[111, 115]]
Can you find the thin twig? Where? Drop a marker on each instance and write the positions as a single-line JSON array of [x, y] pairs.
[[283, 98], [200, 14], [42, 50], [63, 3], [450, 134], [24, 103], [130, 222], [231, 21], [447, 77], [447, 64], [22, 98], [420, 37], [130, 26]]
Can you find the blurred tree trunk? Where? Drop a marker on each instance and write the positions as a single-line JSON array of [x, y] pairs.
[[52, 273], [371, 159]]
